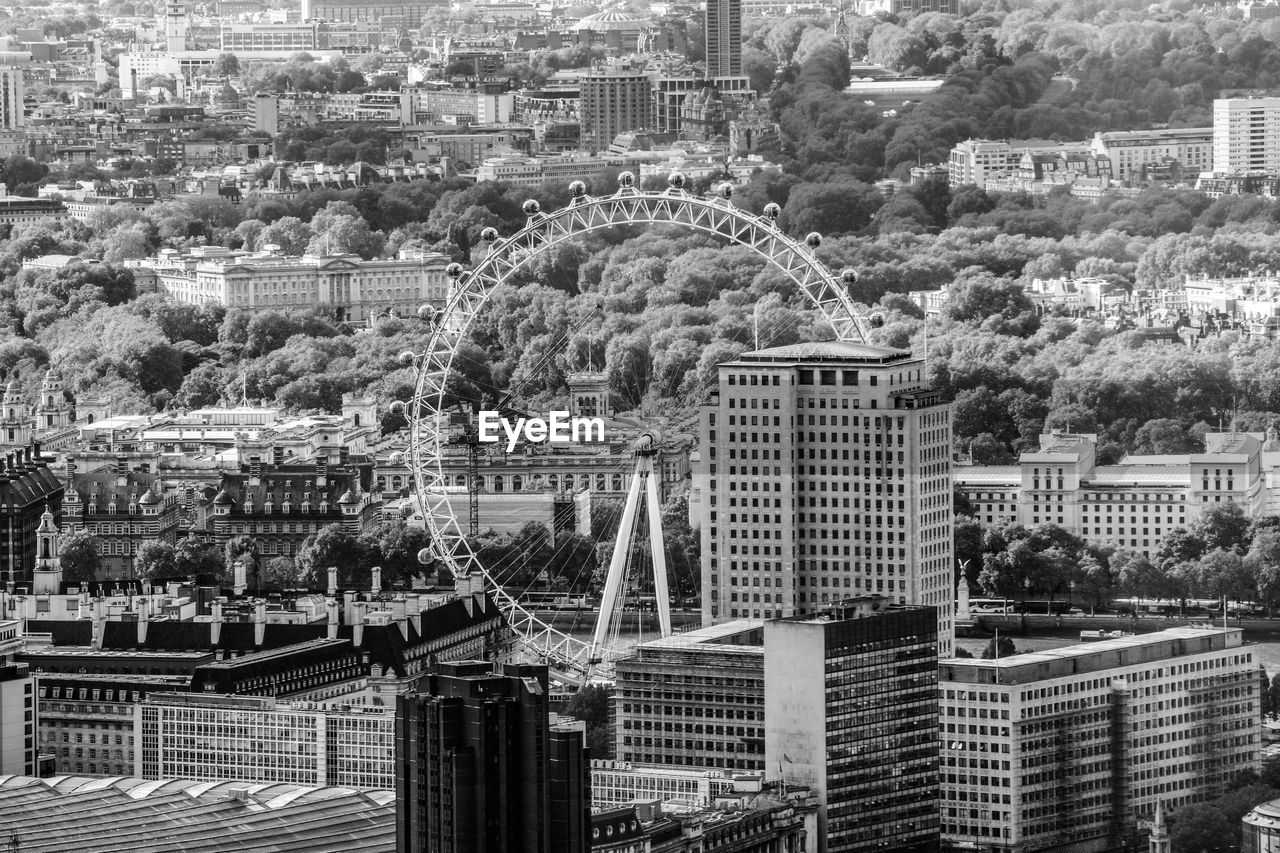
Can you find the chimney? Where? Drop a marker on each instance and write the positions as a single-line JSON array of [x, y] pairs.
[[215, 622], [331, 608], [240, 582], [322, 472], [413, 610], [277, 455], [376, 583], [333, 581], [35, 450], [144, 618], [255, 471], [357, 624], [259, 623], [348, 607]]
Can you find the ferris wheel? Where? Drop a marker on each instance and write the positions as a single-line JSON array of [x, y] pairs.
[[574, 659]]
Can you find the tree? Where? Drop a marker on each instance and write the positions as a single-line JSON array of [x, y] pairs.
[[226, 65], [999, 647], [281, 573], [337, 232], [394, 545], [333, 545], [78, 554], [195, 557], [590, 705], [1225, 526], [155, 559], [20, 170], [1263, 563], [290, 233], [245, 550]]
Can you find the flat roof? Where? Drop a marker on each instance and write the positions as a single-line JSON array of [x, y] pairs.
[[1096, 648]]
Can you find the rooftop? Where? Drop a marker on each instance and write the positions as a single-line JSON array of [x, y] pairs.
[[130, 815], [827, 351]]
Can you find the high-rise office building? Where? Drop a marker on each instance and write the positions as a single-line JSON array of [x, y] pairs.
[[1246, 135], [480, 768], [694, 699], [12, 112], [825, 473], [1069, 748], [723, 29], [851, 710], [612, 102]]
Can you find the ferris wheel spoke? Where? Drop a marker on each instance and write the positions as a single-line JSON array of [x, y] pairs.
[[428, 414]]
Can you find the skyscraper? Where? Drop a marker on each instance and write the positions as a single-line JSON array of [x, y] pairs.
[[724, 38], [1246, 135], [12, 108], [479, 767], [851, 710], [825, 473], [612, 102]]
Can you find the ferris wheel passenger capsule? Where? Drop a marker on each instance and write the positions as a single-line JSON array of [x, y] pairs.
[[408, 357], [425, 557], [772, 210], [813, 240], [426, 313], [531, 207], [577, 189], [626, 180], [725, 190], [849, 275], [489, 234], [397, 407]]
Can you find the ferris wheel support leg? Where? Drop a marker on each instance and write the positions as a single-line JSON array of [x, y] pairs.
[[659, 548], [617, 568]]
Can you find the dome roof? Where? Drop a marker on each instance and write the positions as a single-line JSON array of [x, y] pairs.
[[347, 498], [604, 21], [148, 498], [222, 498]]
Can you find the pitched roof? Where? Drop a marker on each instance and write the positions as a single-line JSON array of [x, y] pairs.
[[130, 815]]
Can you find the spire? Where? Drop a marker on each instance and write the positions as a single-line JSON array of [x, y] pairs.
[[1159, 839]]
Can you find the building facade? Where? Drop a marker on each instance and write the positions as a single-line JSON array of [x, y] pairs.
[[695, 699], [1246, 135], [260, 740], [279, 506], [613, 102], [1134, 153], [1133, 504], [18, 745], [1070, 747], [351, 288], [480, 768], [27, 488], [86, 720], [724, 38], [851, 710], [825, 473]]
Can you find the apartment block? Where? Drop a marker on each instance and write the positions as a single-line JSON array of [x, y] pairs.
[[613, 102], [724, 38], [978, 161], [1135, 154], [1069, 748], [695, 699], [1246, 135], [824, 473], [851, 710]]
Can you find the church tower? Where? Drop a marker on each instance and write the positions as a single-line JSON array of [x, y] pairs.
[[15, 426], [1159, 840], [53, 410], [48, 575]]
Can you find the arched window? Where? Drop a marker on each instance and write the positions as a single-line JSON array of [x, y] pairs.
[[461, 480], [600, 482], [396, 482], [617, 482], [517, 483], [497, 483], [553, 481]]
